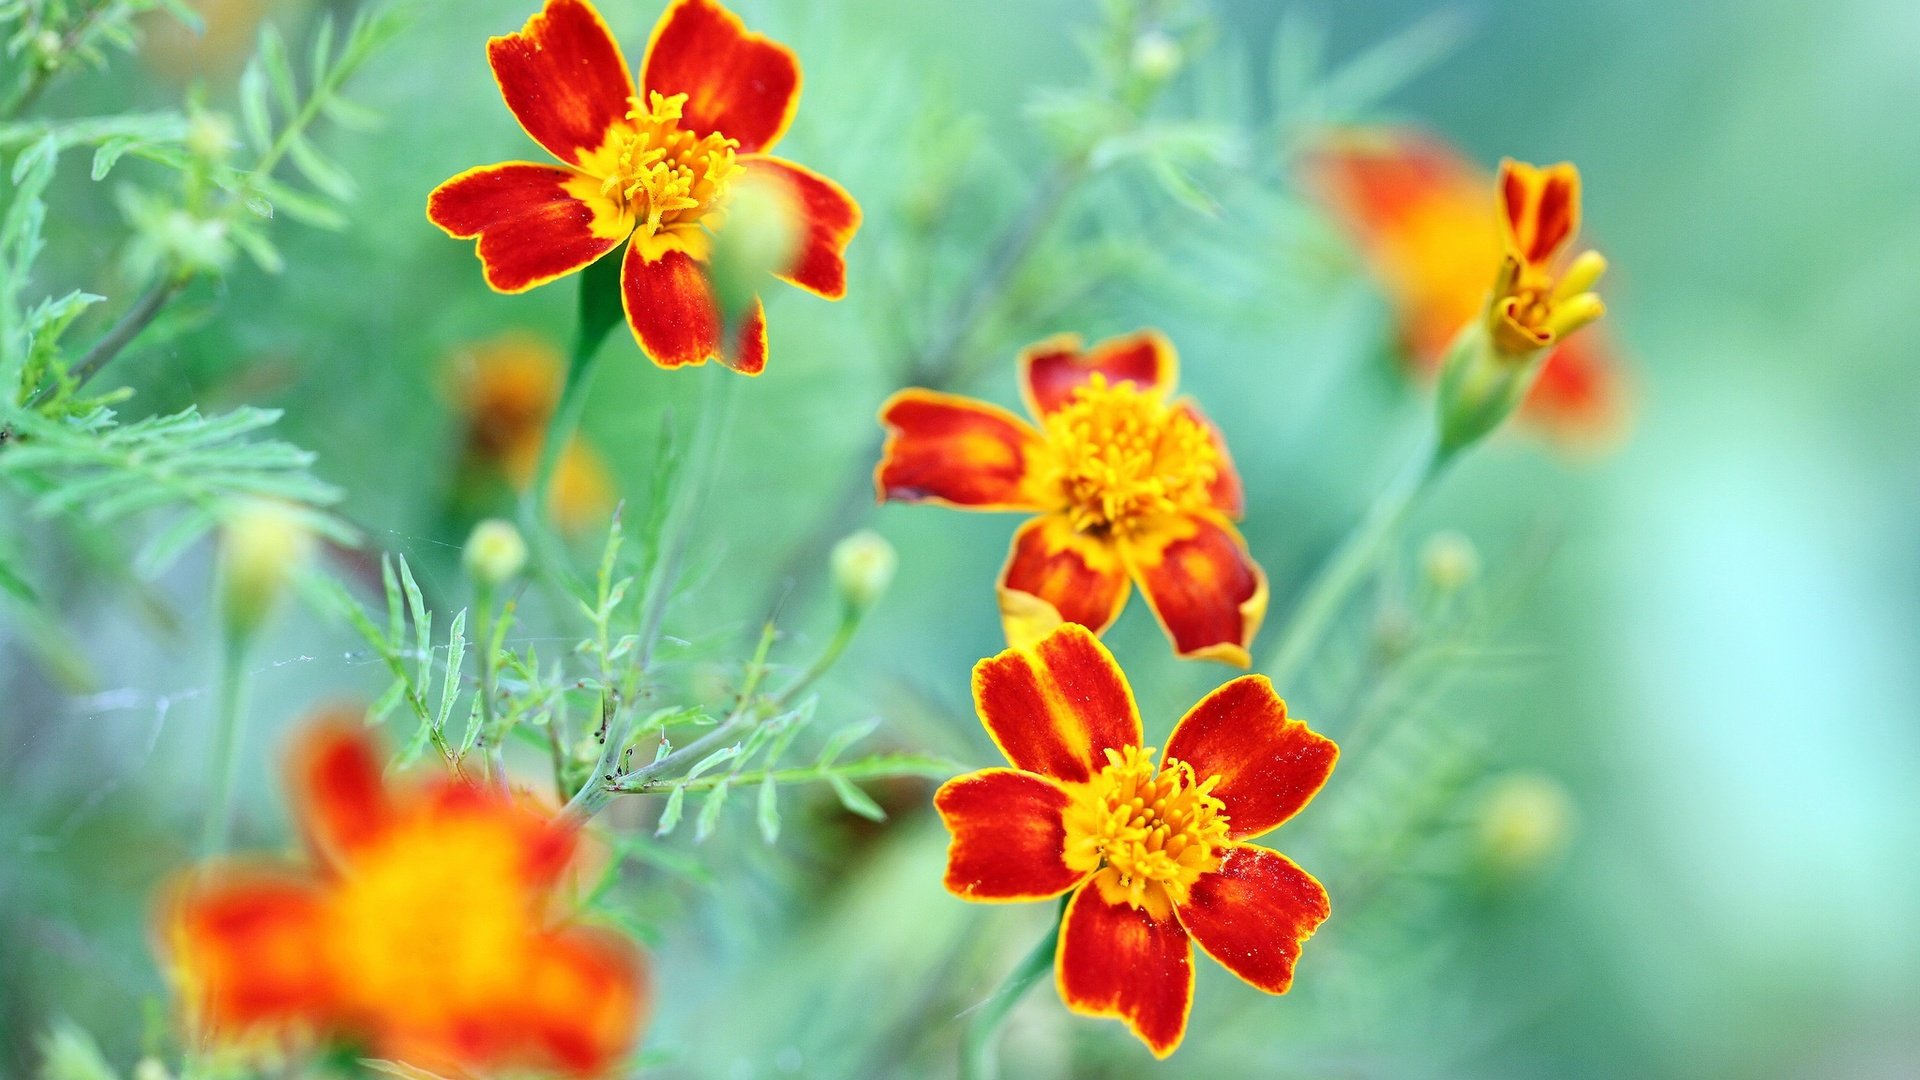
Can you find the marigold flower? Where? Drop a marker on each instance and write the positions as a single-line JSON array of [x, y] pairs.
[[508, 389], [651, 168], [1130, 485], [1153, 859], [1436, 238], [426, 932]]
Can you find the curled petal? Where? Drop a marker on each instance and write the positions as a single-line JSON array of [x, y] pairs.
[[563, 77], [948, 449], [740, 84], [584, 1002], [342, 799], [1118, 960], [1057, 707], [672, 313], [1009, 836], [1203, 586], [1057, 574], [534, 222], [1252, 914], [1269, 764], [1228, 495], [1053, 369], [830, 218], [1540, 208], [242, 945]]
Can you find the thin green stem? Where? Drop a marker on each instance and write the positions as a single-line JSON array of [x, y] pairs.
[[977, 1044], [1327, 595], [217, 826]]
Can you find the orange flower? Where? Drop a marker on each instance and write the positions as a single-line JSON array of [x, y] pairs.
[[1153, 859], [425, 934], [1436, 238], [508, 389], [1130, 484], [652, 166]]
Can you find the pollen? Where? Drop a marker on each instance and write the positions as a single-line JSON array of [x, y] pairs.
[[1146, 837], [665, 174], [1122, 457]]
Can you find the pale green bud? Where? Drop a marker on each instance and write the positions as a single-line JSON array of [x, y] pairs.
[[263, 545], [863, 566], [1524, 821], [759, 237], [495, 553], [1450, 562], [1156, 57]]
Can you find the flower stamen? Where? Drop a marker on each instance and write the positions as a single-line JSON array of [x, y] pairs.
[[1147, 837], [1122, 457], [664, 174]]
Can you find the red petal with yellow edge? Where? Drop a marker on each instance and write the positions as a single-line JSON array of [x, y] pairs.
[[532, 221], [1252, 914], [1226, 492], [1009, 836], [830, 218], [245, 946], [740, 84], [1578, 396], [584, 1003], [1541, 208], [1053, 369], [1269, 765], [563, 77], [944, 448], [1116, 960], [1057, 707], [672, 313], [341, 798], [1079, 577], [1203, 586]]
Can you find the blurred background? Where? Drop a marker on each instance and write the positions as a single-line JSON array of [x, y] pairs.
[[1687, 664]]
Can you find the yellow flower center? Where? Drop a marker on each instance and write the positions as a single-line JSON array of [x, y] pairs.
[[1148, 836], [664, 174], [1122, 456], [433, 914]]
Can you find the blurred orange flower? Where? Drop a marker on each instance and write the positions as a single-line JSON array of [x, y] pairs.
[[507, 389], [1131, 485], [1437, 232], [425, 933], [1154, 860], [654, 167]]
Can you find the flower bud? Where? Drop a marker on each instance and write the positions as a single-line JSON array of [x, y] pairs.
[[761, 236], [151, 1069], [263, 545], [863, 566], [1450, 562], [495, 554], [210, 136], [1524, 821], [1156, 57]]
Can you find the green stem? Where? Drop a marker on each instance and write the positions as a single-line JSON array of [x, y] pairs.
[[1326, 596], [217, 826], [599, 314], [977, 1044]]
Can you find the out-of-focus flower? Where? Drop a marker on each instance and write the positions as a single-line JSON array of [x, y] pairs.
[[263, 544], [508, 389], [495, 553], [222, 41], [426, 930], [1436, 233], [863, 566], [1450, 562], [1130, 484], [1156, 860], [655, 167], [1524, 821]]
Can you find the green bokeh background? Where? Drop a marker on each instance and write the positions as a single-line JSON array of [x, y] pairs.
[[1717, 659]]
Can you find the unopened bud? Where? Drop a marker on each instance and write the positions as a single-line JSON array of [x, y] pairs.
[[1524, 821], [151, 1069], [863, 566], [46, 46], [1156, 57], [495, 554], [1450, 562], [263, 545], [210, 136], [760, 237]]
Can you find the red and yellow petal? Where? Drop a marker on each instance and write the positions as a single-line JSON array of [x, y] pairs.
[[1055, 574], [341, 796], [740, 84], [1009, 836], [1052, 370], [672, 313], [1056, 707], [1540, 208], [1269, 764], [1202, 584], [563, 78], [1117, 960], [1253, 913], [943, 448], [245, 946], [584, 1003], [534, 222], [1227, 493], [830, 218]]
